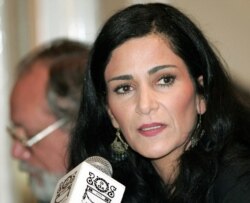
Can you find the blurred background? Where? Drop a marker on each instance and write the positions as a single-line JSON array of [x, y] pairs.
[[25, 24]]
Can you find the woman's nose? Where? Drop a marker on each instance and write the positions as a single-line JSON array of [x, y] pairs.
[[147, 102], [19, 151]]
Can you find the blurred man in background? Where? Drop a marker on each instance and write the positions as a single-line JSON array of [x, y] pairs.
[[43, 105]]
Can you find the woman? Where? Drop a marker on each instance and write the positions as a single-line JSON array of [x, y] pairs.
[[159, 106]]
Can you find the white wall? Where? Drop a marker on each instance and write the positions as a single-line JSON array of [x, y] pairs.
[[6, 184], [227, 25], [74, 19]]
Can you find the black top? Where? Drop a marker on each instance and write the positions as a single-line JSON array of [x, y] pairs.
[[232, 184]]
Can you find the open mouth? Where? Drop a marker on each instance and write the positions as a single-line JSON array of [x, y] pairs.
[[151, 129]]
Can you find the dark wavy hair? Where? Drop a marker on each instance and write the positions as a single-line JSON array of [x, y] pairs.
[[225, 116]]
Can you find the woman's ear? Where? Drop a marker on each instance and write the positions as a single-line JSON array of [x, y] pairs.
[[200, 100], [112, 118]]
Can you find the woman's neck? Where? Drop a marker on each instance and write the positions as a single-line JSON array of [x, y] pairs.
[[167, 167]]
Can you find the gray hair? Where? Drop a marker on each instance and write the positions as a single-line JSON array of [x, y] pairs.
[[65, 84], [66, 60]]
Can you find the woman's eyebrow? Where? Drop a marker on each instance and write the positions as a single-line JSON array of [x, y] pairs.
[[157, 68], [121, 77], [151, 71]]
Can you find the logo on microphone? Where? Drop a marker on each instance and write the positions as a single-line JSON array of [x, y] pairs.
[[98, 190], [64, 189]]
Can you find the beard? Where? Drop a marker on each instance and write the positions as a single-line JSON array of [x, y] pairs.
[[42, 183]]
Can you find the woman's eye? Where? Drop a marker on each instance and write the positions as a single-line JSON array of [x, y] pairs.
[[166, 80], [123, 89]]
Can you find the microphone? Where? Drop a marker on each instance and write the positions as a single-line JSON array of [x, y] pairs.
[[89, 182]]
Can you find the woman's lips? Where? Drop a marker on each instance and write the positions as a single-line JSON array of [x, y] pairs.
[[151, 129]]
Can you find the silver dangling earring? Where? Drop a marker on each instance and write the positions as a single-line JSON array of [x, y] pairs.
[[119, 147], [197, 134]]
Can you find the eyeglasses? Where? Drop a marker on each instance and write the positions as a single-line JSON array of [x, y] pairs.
[[39, 136]]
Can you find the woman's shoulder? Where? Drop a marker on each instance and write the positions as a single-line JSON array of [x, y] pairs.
[[232, 184]]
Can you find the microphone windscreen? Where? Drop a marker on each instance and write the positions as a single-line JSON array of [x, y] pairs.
[[101, 164]]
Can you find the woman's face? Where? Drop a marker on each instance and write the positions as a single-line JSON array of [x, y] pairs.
[[151, 97]]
